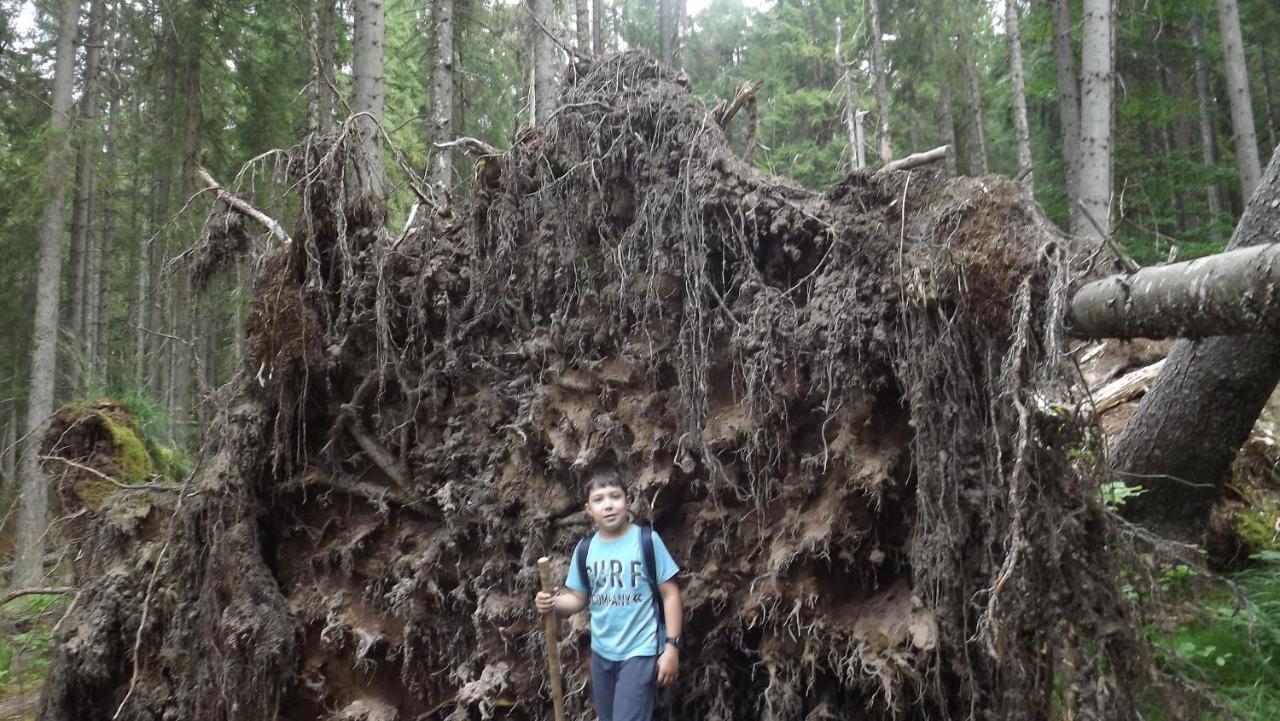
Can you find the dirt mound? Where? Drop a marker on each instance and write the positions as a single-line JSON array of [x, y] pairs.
[[847, 413]]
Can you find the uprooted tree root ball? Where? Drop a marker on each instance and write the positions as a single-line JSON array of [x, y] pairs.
[[848, 414]]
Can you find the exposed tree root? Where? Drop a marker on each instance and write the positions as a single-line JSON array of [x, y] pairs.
[[847, 412]]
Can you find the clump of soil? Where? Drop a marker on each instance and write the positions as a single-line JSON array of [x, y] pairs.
[[846, 412]]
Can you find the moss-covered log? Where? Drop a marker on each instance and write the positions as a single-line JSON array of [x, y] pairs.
[[845, 411]]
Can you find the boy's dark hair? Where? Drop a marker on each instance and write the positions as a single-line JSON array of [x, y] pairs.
[[603, 476]]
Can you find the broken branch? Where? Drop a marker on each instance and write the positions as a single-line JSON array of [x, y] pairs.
[[475, 146], [271, 224], [915, 160], [745, 91]]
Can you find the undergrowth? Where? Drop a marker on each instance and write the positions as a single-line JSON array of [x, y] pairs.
[[26, 643], [1233, 645]]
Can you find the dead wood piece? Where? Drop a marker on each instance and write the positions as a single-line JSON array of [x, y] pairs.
[[475, 146], [271, 224], [745, 91], [38, 591], [381, 457], [1125, 388], [915, 160]]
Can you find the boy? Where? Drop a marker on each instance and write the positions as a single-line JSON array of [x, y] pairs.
[[630, 650]]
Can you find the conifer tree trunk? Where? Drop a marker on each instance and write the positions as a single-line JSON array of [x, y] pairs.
[[948, 128], [1095, 115], [544, 85], [978, 164], [1208, 138], [314, 73], [33, 517], [141, 314], [1068, 107], [878, 72], [441, 171], [597, 27], [1265, 66], [328, 34], [1022, 131], [857, 160], [369, 95], [582, 25], [1246, 139], [665, 17], [78, 272], [9, 450]]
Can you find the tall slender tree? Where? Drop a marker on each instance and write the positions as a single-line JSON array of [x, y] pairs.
[[1022, 131], [78, 295], [1246, 138], [1097, 74], [544, 85], [33, 519], [369, 95], [1208, 137], [978, 162], [1064, 57], [442, 91], [878, 73]]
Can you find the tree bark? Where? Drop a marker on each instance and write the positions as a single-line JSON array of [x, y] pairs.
[[1231, 293], [878, 72], [1095, 116], [368, 97], [314, 74], [441, 174], [33, 518], [977, 131], [1208, 138], [857, 160], [1265, 66], [544, 84], [582, 25], [1167, 444], [328, 34], [1068, 108], [597, 27], [1022, 131], [949, 128], [78, 272], [1246, 139], [665, 15]]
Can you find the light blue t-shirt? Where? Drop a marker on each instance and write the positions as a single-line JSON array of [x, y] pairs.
[[624, 620]]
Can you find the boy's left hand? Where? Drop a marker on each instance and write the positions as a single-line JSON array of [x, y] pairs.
[[668, 666]]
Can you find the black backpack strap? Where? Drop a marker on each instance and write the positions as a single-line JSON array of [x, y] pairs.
[[580, 558], [651, 571]]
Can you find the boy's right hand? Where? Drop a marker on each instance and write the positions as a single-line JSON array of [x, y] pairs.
[[546, 602]]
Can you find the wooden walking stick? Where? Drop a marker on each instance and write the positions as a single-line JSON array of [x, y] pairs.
[[553, 644]]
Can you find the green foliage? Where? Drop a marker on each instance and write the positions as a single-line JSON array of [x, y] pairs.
[[1257, 530], [1116, 493], [1235, 649], [26, 642]]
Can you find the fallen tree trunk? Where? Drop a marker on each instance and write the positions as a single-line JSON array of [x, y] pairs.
[[1181, 440], [830, 404], [1232, 293]]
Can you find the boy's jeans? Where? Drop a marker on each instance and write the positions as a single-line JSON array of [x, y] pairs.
[[624, 690]]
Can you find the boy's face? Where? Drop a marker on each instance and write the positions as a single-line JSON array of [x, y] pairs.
[[607, 506]]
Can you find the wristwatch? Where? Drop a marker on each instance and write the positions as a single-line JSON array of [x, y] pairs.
[[674, 641]]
